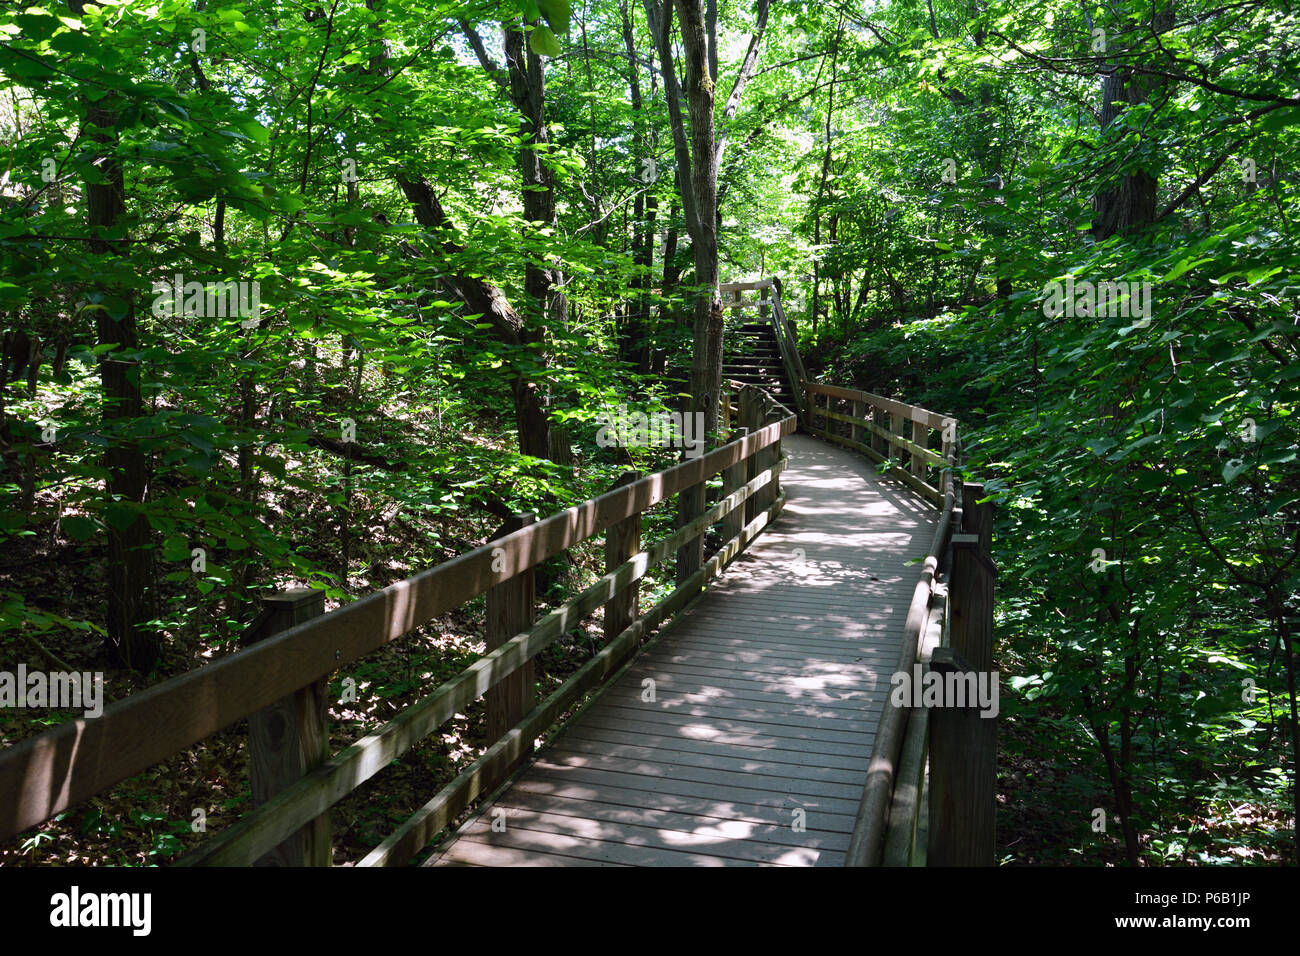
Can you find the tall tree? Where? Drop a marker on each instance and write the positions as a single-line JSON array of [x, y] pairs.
[[699, 156], [129, 570], [524, 83], [1128, 203], [699, 153]]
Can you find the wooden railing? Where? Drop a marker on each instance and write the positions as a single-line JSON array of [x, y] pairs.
[[948, 627], [899, 433], [278, 680]]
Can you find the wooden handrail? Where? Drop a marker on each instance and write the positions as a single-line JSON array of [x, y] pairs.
[[921, 455], [798, 374], [745, 286], [484, 773], [905, 824], [866, 846], [738, 387], [46, 774], [912, 412]]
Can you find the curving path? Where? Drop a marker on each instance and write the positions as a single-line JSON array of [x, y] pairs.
[[767, 694]]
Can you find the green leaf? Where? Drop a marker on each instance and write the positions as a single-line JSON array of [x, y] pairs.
[[121, 514], [176, 549], [77, 528], [557, 13], [1182, 267], [175, 109], [544, 43], [254, 130], [1233, 470]]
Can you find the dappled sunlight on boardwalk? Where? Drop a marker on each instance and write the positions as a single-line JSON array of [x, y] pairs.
[[742, 736]]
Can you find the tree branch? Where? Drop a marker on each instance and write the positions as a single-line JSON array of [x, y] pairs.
[[484, 58]]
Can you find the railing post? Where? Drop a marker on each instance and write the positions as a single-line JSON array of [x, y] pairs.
[[963, 757], [751, 419], [812, 412], [511, 607], [766, 458], [949, 438], [895, 428], [690, 506], [879, 418], [775, 416], [859, 411], [733, 476], [290, 738], [622, 540], [921, 437]]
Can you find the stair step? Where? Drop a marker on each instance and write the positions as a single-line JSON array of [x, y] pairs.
[[761, 383]]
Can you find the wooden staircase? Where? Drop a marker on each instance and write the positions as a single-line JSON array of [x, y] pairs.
[[753, 358], [760, 349]]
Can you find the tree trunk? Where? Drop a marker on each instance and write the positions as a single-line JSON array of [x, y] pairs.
[[671, 274], [525, 86], [634, 339], [1130, 203], [821, 183], [543, 297], [698, 157], [702, 181], [130, 567], [485, 299]]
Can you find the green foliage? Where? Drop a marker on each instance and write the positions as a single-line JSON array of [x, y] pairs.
[[918, 175], [1143, 466]]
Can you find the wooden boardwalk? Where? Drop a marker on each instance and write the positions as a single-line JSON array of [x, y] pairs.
[[767, 694]]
